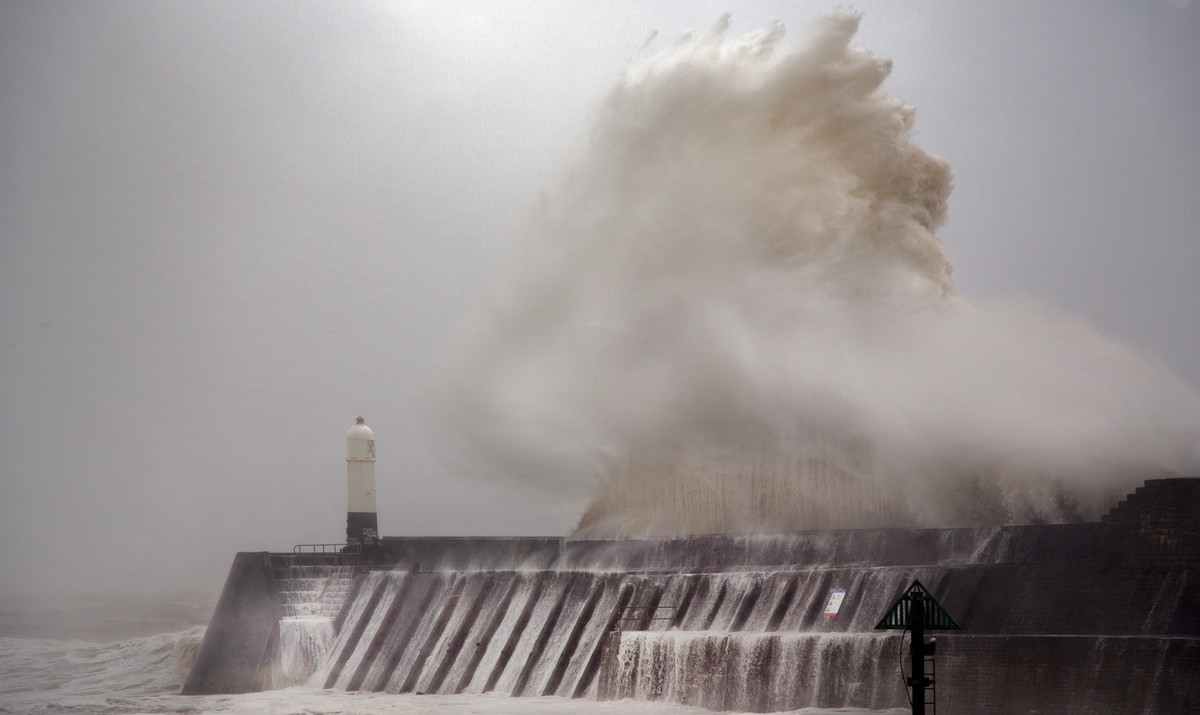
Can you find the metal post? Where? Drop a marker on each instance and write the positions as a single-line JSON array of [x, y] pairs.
[[908, 613], [916, 621]]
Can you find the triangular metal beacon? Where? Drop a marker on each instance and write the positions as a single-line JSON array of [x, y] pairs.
[[936, 618]]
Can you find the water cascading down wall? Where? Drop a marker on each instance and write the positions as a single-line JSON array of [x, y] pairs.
[[1095, 617]]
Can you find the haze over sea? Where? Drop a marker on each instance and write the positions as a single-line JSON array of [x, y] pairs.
[[175, 428], [227, 229]]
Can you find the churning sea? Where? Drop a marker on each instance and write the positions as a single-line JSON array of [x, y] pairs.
[[126, 656]]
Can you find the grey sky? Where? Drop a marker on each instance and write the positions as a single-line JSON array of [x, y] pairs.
[[227, 229]]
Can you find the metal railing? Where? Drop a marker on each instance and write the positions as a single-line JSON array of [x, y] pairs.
[[326, 549], [642, 616], [331, 554]]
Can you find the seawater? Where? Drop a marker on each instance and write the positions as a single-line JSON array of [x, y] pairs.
[[113, 667]]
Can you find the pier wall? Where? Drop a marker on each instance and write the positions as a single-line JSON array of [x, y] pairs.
[[1097, 618], [240, 648]]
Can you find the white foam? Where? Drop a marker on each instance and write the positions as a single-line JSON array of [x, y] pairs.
[[733, 314], [44, 669], [324, 702], [303, 644]]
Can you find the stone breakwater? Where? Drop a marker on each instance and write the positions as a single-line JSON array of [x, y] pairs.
[[1095, 617]]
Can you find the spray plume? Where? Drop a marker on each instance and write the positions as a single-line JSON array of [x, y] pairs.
[[733, 315]]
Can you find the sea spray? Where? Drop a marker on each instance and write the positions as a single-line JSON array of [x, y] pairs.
[[756, 672], [43, 669], [304, 642], [734, 315]]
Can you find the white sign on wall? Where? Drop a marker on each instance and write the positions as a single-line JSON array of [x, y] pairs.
[[835, 602]]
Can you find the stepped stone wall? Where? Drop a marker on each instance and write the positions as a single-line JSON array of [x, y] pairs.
[[1098, 618]]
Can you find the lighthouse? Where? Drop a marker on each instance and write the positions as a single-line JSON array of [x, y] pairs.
[[362, 525]]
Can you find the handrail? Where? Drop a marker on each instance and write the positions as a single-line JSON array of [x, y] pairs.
[[328, 554], [326, 549], [671, 610]]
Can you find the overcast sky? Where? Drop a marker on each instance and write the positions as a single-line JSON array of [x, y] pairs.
[[228, 229]]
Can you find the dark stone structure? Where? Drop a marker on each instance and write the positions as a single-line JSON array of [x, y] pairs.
[[1073, 618], [240, 647]]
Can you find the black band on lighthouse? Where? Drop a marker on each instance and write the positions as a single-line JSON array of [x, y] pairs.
[[362, 527]]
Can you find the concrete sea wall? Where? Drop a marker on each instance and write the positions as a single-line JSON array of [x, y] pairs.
[[240, 647], [1097, 618]]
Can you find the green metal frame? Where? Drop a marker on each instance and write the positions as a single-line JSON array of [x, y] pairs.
[[936, 618]]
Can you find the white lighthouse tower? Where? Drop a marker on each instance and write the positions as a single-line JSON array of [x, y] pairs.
[[362, 525]]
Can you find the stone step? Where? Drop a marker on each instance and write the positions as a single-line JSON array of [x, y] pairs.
[[298, 597], [301, 584], [300, 610], [309, 589]]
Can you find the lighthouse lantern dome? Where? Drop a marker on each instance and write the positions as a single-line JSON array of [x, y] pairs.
[[360, 441]]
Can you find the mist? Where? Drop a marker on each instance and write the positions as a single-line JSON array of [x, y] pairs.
[[228, 229], [735, 315]]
